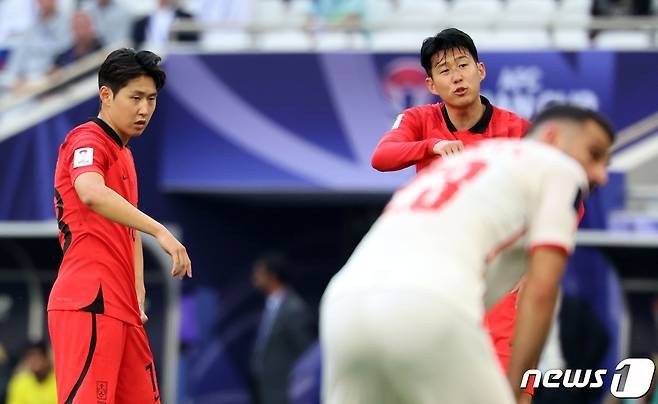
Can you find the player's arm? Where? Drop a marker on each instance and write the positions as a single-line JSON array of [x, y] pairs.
[[404, 146], [140, 289], [551, 232], [535, 313], [92, 191]]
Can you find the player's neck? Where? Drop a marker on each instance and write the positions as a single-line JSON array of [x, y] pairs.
[[107, 120], [466, 117]]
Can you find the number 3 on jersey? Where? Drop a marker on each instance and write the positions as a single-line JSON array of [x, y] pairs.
[[434, 188]]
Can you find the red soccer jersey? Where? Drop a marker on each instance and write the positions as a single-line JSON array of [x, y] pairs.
[[97, 272], [419, 128]]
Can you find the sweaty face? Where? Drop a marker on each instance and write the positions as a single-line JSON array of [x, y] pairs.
[[591, 148], [456, 77], [130, 109]]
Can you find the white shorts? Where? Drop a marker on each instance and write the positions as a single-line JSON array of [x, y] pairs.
[[402, 347]]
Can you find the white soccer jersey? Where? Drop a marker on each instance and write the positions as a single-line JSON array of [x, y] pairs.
[[442, 231]]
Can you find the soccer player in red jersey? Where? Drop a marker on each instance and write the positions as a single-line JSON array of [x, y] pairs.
[[424, 133], [96, 306]]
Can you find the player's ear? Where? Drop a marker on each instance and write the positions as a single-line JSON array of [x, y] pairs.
[[549, 134], [105, 94], [429, 83], [482, 70]]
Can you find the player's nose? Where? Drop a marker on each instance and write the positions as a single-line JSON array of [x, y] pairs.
[[600, 174]]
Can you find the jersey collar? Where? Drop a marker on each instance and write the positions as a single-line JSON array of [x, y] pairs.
[[480, 126], [108, 130]]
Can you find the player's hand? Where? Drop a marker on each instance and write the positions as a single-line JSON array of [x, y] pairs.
[[142, 314], [182, 264], [445, 148]]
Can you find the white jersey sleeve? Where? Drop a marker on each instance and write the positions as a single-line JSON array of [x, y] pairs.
[[553, 217]]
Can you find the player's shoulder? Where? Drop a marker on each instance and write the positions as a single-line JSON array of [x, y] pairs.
[[550, 160], [86, 132], [505, 118], [422, 110]]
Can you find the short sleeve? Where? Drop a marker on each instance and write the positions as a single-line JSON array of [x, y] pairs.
[[87, 153], [554, 218]]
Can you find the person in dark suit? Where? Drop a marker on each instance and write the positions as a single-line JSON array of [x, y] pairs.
[[284, 333], [154, 28]]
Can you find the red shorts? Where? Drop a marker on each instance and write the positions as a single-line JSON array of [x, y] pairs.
[[101, 360]]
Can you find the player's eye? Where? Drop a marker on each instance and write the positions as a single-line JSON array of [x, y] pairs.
[[136, 97], [444, 71], [463, 65]]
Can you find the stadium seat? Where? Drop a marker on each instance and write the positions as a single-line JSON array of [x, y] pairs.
[[288, 40], [622, 40], [572, 14], [518, 14], [520, 39], [380, 14], [339, 41], [571, 39], [270, 12], [402, 41], [223, 41], [479, 14], [421, 13]]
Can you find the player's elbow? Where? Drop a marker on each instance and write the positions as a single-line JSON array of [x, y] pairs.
[[379, 162], [90, 196]]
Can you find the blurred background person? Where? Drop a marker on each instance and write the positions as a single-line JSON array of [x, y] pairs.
[[111, 20], [85, 40], [32, 56], [34, 380], [284, 333], [153, 29]]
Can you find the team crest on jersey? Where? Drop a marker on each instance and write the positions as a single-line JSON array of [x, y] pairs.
[[101, 391], [83, 157]]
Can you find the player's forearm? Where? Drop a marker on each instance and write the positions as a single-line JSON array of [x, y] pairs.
[[112, 206], [395, 152], [534, 321]]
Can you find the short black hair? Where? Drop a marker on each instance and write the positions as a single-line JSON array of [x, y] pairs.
[[560, 111], [449, 38], [125, 64], [276, 264], [36, 346]]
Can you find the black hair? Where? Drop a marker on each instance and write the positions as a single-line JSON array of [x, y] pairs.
[[558, 111], [125, 64], [276, 264], [449, 38], [38, 346]]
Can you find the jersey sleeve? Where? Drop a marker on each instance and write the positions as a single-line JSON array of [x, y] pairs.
[[554, 219], [87, 153], [403, 145]]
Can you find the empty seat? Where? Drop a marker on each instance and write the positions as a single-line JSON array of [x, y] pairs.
[[479, 14], [390, 40], [289, 40], [622, 40], [531, 39], [519, 14], [571, 39], [339, 41]]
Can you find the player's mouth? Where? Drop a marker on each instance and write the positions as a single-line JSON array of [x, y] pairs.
[[140, 124], [460, 91]]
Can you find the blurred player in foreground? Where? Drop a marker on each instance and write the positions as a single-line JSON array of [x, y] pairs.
[[96, 306], [402, 321]]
